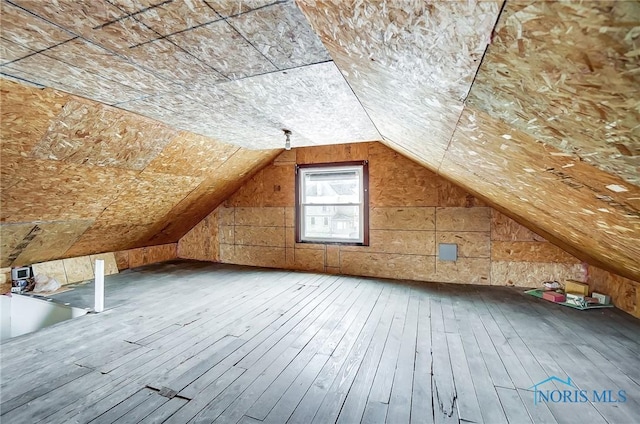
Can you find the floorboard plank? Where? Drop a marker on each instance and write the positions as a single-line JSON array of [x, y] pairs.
[[254, 345]]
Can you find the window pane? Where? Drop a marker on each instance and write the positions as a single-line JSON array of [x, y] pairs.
[[332, 222], [332, 187]]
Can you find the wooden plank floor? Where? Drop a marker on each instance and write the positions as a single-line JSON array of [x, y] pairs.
[[201, 343]]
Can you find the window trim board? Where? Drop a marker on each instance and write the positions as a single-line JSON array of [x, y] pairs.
[[365, 202]]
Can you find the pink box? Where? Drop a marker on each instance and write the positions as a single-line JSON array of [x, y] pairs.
[[553, 296]]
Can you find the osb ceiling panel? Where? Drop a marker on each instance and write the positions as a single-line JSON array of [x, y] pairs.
[[332, 115], [167, 60], [223, 179], [568, 73], [587, 212], [223, 48], [25, 116], [282, 35], [93, 134], [79, 177], [411, 64]]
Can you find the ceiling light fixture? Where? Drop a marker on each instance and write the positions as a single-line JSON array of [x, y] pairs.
[[287, 142]]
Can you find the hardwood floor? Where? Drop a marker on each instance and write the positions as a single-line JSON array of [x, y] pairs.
[[196, 342]]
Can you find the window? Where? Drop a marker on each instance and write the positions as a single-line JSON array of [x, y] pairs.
[[337, 194]]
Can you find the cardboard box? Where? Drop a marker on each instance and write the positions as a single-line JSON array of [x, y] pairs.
[[571, 286], [553, 296], [602, 298]]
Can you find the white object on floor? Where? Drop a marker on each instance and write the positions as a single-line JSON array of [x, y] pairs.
[[99, 283]]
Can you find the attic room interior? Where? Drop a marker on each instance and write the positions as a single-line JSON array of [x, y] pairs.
[[320, 211]]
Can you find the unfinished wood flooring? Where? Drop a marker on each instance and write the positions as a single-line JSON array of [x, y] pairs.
[[195, 342]]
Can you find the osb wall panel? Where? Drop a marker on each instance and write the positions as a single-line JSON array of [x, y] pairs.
[[271, 257], [387, 265], [201, 242], [625, 293], [418, 187], [92, 178], [532, 274], [217, 185], [272, 186], [110, 264], [586, 212], [52, 269], [463, 219], [529, 251], [144, 203], [475, 244], [119, 236], [148, 255], [122, 259], [504, 228], [465, 269], [574, 90], [78, 269], [403, 218], [403, 238]]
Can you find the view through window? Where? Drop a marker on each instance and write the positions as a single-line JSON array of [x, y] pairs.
[[332, 203]]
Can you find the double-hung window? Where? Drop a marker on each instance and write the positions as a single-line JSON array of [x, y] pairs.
[[332, 203]]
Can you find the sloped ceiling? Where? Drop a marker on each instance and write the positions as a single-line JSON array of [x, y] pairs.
[[238, 71], [533, 106], [558, 88], [80, 177]]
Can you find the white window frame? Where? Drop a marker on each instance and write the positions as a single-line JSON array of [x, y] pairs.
[[361, 169]]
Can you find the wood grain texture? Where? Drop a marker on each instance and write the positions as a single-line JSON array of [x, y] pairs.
[[474, 244], [417, 187], [122, 259], [463, 219], [51, 269], [24, 244], [273, 186], [388, 54], [216, 186], [532, 274], [311, 345], [288, 44], [202, 242], [26, 115], [80, 162], [252, 223], [529, 251], [402, 218], [464, 270], [93, 134], [387, 265], [539, 186], [625, 293], [579, 100], [110, 264], [504, 228], [78, 269]]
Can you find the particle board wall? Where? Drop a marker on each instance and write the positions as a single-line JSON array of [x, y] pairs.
[[591, 214], [625, 293], [411, 211], [81, 178]]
